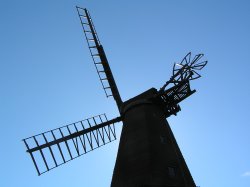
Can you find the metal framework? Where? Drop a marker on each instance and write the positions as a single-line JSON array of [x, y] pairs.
[[183, 73]]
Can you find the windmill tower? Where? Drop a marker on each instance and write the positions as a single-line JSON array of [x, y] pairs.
[[148, 154]]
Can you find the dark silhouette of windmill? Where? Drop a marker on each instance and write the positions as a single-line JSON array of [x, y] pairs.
[[148, 154]]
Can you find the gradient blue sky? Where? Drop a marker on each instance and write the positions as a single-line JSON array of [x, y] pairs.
[[48, 80]]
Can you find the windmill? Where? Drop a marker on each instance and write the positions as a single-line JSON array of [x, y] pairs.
[[148, 154]]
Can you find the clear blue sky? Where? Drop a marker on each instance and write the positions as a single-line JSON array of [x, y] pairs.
[[48, 80]]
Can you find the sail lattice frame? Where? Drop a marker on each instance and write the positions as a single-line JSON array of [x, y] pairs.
[[56, 147]]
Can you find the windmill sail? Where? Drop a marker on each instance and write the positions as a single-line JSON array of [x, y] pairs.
[[98, 55], [53, 148]]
